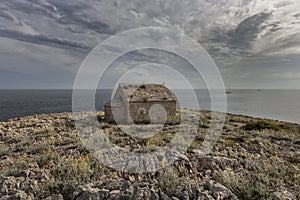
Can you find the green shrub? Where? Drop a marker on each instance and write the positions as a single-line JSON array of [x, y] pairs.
[[168, 178], [45, 157], [4, 150], [246, 185], [261, 125], [267, 175], [11, 139]]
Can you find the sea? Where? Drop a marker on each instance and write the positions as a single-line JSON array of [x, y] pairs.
[[283, 105]]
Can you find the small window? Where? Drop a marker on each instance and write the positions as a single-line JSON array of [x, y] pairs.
[[142, 111]]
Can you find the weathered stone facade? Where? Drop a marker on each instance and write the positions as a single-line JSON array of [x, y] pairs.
[[118, 113], [140, 103], [135, 109]]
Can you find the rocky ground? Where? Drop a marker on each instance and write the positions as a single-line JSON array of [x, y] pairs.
[[42, 157]]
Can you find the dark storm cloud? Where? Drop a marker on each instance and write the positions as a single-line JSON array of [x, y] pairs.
[[96, 26], [72, 14], [239, 40], [4, 15], [247, 31], [45, 8], [44, 40], [64, 13], [82, 17], [27, 7], [275, 27], [242, 33], [67, 14]]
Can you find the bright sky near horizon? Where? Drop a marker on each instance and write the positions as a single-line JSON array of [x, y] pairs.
[[255, 43]]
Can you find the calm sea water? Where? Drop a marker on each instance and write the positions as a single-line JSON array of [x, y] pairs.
[[274, 104]]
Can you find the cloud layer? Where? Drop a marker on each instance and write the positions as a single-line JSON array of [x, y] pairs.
[[243, 36]]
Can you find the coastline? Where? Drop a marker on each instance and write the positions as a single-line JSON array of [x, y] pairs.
[[203, 111], [43, 157], [22, 103]]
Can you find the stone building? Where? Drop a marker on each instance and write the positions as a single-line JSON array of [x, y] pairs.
[[141, 103]]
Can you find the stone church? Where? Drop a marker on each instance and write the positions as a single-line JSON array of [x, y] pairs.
[[133, 102]]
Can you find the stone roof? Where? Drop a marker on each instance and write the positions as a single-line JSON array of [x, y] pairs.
[[146, 92]]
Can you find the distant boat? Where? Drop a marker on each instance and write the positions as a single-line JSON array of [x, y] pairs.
[[228, 91], [258, 90]]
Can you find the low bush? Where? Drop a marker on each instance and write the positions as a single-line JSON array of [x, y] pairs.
[[261, 125], [168, 178]]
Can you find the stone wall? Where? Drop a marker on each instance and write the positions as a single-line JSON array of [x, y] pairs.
[[138, 116], [138, 111], [118, 114]]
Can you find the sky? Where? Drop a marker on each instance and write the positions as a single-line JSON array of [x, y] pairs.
[[254, 43]]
